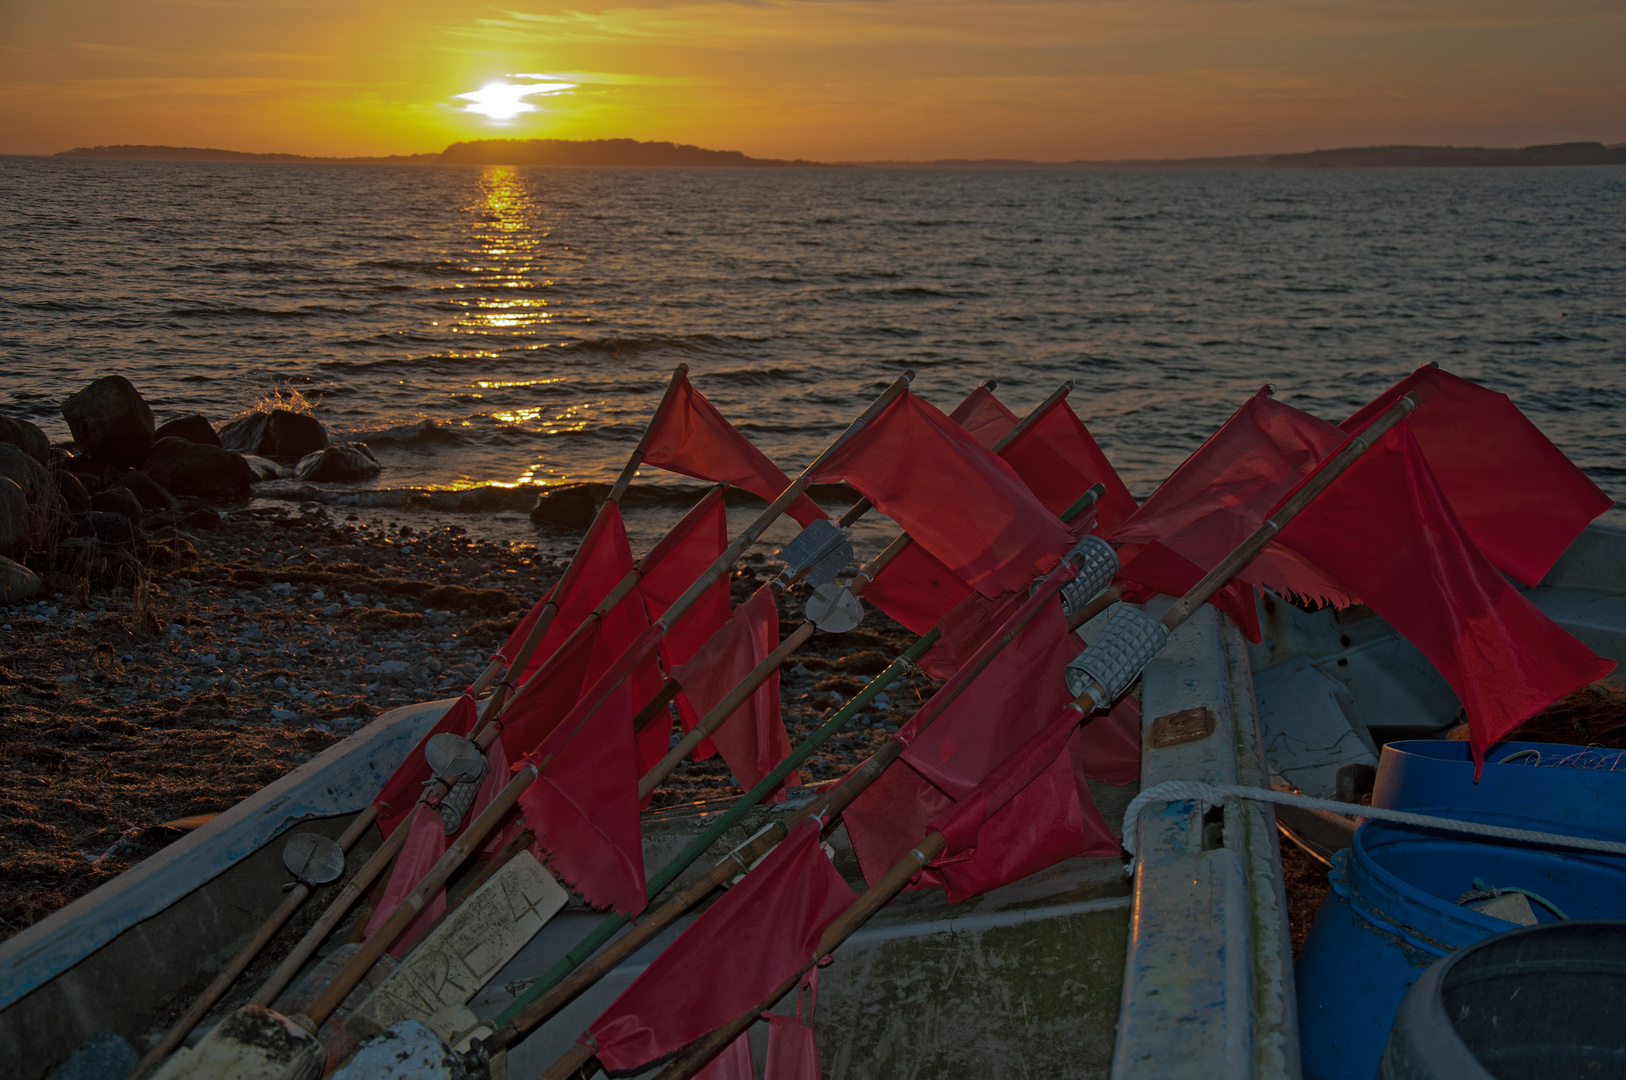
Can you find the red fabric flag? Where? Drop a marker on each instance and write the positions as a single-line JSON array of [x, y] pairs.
[[955, 499], [984, 417], [1058, 459], [691, 437], [1385, 530], [548, 695], [1109, 744], [752, 740], [401, 792], [604, 558], [425, 844], [1216, 498], [966, 628], [1518, 497], [999, 711], [669, 569], [733, 1063], [746, 944], [916, 589], [792, 1052], [583, 806]]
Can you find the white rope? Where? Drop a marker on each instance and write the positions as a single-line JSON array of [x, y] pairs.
[[1173, 791]]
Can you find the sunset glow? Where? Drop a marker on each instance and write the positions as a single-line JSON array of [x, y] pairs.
[[832, 80]]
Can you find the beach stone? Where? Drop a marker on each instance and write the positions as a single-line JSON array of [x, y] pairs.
[[29, 474], [264, 468], [110, 421], [46, 509], [339, 462], [207, 472], [192, 427], [18, 584], [13, 517], [27, 438], [280, 434], [150, 493], [72, 491], [117, 501], [88, 480], [111, 528], [569, 506]]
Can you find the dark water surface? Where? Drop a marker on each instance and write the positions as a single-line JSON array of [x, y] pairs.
[[490, 326]]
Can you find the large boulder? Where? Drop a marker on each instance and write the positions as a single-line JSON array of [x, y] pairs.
[[117, 501], [264, 468], [207, 472], [192, 427], [111, 528], [27, 438], [151, 494], [13, 517], [341, 461], [44, 506], [73, 492], [279, 434], [569, 506], [109, 421], [18, 584]]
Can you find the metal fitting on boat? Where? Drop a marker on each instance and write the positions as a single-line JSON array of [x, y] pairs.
[[460, 765], [1097, 565], [1130, 641], [833, 609], [817, 555]]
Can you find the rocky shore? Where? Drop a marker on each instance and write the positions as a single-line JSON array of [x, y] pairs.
[[157, 670]]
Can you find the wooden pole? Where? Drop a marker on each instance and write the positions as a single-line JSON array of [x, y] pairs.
[[228, 975], [547, 995], [694, 1057], [374, 947]]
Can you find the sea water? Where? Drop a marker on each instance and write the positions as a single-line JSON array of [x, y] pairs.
[[485, 330]]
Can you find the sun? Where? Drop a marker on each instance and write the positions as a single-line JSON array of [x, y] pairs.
[[503, 101]]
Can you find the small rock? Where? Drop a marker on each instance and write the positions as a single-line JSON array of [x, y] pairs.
[[264, 468], [330, 610], [111, 528], [208, 472], [27, 438], [91, 481], [110, 421], [17, 582], [279, 434], [192, 427], [280, 682], [285, 716], [152, 494], [14, 517], [318, 596], [117, 501], [338, 463]]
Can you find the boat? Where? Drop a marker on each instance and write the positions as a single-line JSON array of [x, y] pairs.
[[1076, 971], [1080, 970]]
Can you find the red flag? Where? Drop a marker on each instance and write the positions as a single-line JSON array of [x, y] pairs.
[[548, 696], [792, 1052], [401, 792], [752, 739], [965, 629], [1385, 531], [689, 436], [957, 500], [984, 417], [916, 589], [733, 1063], [583, 806], [1059, 460], [668, 570], [1006, 705], [604, 558], [425, 844], [1109, 744], [1518, 497], [746, 945]]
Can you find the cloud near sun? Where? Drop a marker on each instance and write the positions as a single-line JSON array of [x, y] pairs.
[[504, 101]]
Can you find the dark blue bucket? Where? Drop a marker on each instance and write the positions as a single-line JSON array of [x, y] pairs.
[[1392, 912], [1577, 786]]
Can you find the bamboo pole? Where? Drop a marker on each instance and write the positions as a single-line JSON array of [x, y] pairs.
[[560, 984], [527, 773], [694, 1057], [483, 734], [229, 974]]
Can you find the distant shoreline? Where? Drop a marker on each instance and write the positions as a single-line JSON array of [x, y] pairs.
[[630, 153]]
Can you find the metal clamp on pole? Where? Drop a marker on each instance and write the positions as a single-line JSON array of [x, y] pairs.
[[460, 765], [1097, 565], [312, 859], [817, 555], [1104, 671]]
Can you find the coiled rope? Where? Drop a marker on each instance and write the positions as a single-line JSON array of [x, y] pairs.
[[1212, 795]]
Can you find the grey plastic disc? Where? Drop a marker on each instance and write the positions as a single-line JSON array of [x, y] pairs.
[[452, 758], [314, 858], [834, 610]]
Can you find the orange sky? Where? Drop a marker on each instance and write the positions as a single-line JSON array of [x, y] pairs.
[[824, 79]]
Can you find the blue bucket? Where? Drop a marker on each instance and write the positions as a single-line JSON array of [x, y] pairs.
[[1578, 787], [1392, 912]]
